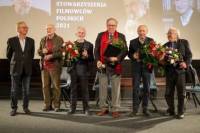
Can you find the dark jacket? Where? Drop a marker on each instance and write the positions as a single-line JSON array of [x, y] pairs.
[[84, 66], [20, 60], [184, 49], [57, 52], [120, 57], [136, 46]]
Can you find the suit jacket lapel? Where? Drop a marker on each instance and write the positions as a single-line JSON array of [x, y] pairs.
[[26, 45]]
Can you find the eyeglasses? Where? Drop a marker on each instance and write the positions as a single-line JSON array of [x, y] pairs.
[[24, 27], [110, 25]]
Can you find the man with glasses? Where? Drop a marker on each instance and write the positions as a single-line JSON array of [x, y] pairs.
[[20, 53], [175, 74], [111, 72]]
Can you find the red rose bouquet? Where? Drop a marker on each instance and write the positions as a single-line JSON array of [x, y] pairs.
[[152, 53], [70, 53]]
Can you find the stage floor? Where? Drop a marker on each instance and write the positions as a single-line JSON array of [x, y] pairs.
[[59, 122]]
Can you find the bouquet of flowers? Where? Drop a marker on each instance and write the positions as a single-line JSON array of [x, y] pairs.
[[118, 43], [152, 54], [172, 56], [70, 53]]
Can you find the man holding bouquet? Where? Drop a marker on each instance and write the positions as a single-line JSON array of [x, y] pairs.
[[140, 70], [81, 70], [110, 50], [51, 57], [175, 71]]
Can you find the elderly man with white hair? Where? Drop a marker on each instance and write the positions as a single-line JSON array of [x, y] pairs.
[[80, 71], [51, 63], [175, 74]]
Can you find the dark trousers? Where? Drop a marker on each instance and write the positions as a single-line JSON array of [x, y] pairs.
[[175, 80], [79, 83], [137, 92], [18, 81]]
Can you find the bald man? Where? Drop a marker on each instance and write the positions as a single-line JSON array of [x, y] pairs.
[[175, 75], [140, 70], [51, 57]]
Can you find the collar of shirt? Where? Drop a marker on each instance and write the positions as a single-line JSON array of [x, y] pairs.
[[141, 40], [50, 36], [22, 42]]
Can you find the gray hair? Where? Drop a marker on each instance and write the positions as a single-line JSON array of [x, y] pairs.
[[175, 30], [81, 28], [109, 19]]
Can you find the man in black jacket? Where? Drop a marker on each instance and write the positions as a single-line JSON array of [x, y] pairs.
[[139, 70], [20, 52], [175, 74], [81, 71], [109, 71]]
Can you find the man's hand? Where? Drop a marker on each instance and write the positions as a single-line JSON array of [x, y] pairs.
[[85, 53], [113, 59], [48, 57], [99, 64], [136, 55], [44, 51], [183, 65]]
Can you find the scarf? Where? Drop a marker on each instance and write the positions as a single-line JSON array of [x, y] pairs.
[[103, 47]]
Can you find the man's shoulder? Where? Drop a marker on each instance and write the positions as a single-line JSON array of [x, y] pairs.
[[30, 39], [121, 34], [88, 43], [183, 40], [12, 38], [101, 33], [134, 40], [166, 43], [58, 37], [150, 39]]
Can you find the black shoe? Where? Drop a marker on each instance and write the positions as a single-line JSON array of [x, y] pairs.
[[87, 112], [147, 113], [71, 112], [45, 109], [13, 112], [169, 113], [27, 111], [51, 108], [57, 110], [133, 114], [180, 116]]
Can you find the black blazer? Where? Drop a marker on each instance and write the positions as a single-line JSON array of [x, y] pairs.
[[136, 46], [84, 66], [184, 49], [20, 60]]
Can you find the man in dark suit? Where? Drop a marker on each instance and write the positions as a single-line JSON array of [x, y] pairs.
[[112, 72], [175, 74], [20, 52], [139, 70], [81, 71]]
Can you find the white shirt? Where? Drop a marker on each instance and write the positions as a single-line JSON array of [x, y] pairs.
[[22, 43], [142, 40]]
